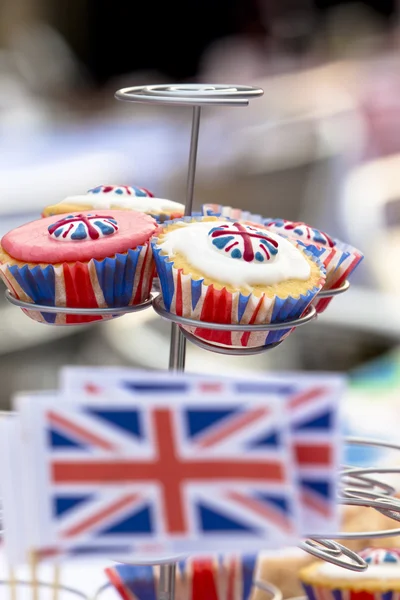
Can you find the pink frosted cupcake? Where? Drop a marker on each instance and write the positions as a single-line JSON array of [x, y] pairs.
[[81, 260]]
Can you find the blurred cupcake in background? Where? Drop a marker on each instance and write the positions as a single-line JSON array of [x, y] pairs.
[[381, 581], [339, 259], [98, 259], [119, 197], [215, 270]]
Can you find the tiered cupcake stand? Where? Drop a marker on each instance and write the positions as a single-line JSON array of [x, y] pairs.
[[359, 486]]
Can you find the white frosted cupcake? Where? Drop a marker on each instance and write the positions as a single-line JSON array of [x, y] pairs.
[[219, 271], [381, 581], [119, 197]]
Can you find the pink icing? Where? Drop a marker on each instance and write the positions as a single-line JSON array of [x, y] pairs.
[[32, 243]]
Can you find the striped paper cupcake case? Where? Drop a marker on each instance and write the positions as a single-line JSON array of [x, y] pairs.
[[193, 299], [319, 592], [217, 210], [123, 280], [339, 262]]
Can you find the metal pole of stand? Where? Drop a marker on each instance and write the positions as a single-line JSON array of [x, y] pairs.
[[177, 353], [166, 586]]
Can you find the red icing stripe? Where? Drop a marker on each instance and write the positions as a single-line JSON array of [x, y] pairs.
[[79, 291], [148, 193], [217, 308], [204, 586]]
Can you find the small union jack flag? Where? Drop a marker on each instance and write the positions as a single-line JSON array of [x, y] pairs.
[[311, 404], [312, 411], [190, 478]]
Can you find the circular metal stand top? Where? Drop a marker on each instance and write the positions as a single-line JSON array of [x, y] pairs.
[[191, 94], [227, 350], [160, 309], [67, 310]]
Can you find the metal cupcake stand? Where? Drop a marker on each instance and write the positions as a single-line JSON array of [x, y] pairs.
[[359, 486]]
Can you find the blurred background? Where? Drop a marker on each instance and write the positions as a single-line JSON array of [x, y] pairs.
[[322, 145]]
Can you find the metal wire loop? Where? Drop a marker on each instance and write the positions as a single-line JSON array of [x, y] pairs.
[[158, 306], [191, 94], [335, 292], [227, 350], [334, 553], [67, 310]]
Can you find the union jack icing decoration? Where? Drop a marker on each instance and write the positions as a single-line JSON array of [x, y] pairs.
[[301, 231], [121, 190], [243, 242], [76, 228], [379, 556]]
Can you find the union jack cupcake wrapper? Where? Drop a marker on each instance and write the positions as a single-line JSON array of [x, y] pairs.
[[319, 592], [208, 578], [217, 210], [123, 280], [193, 299], [339, 262]]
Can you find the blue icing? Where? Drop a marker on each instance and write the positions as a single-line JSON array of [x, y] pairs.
[[271, 247], [79, 233], [105, 228], [119, 191], [221, 242], [95, 190], [58, 231], [236, 253], [259, 257]]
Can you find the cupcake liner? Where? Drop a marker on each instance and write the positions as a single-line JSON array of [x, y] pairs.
[[123, 280], [217, 210], [164, 217], [339, 262], [319, 592], [194, 299], [197, 578]]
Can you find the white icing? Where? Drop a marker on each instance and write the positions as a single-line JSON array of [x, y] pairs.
[[191, 240], [102, 201], [383, 571]]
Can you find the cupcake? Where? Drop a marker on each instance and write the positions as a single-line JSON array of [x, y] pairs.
[[122, 197], [339, 259], [381, 581], [220, 271], [83, 260]]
